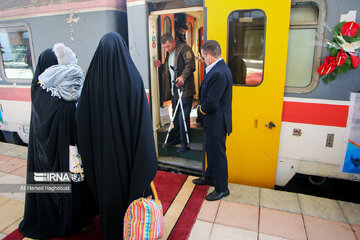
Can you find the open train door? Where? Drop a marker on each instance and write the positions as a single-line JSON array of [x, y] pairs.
[[254, 37]]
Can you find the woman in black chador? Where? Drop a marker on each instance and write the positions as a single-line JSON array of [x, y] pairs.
[[115, 133], [55, 88]]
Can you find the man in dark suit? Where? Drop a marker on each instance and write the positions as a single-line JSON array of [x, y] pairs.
[[215, 112]]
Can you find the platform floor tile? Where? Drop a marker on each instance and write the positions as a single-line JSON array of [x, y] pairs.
[[230, 233], [238, 215], [318, 229], [285, 201], [282, 224], [201, 230], [321, 208]]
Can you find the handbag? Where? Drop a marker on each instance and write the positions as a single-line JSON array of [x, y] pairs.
[[144, 219]]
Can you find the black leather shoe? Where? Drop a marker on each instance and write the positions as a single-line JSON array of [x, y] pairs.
[[183, 149], [203, 181], [217, 196]]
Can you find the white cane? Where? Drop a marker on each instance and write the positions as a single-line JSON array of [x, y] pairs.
[[172, 120], [180, 93]]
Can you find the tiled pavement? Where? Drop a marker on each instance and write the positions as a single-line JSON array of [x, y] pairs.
[[249, 213], [267, 214], [12, 170]]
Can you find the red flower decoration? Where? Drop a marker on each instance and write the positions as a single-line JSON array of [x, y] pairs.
[[354, 60], [328, 66], [341, 58], [349, 29]]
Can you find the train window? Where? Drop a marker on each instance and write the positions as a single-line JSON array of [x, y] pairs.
[[16, 58], [246, 46], [167, 25], [303, 52], [303, 14]]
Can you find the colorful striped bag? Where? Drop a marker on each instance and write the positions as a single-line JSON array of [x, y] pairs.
[[144, 219]]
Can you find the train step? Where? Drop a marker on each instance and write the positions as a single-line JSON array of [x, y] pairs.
[[196, 145], [195, 153], [180, 165]]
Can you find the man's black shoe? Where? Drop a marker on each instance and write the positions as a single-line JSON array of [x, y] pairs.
[[217, 195], [203, 181], [183, 149]]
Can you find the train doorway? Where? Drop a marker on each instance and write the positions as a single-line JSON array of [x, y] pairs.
[[161, 22]]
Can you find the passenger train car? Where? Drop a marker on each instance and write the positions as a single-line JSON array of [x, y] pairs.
[[286, 120], [29, 27]]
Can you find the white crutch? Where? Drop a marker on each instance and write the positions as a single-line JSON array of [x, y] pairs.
[[180, 93], [183, 116], [172, 120]]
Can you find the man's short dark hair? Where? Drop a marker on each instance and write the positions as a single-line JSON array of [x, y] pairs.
[[211, 47], [166, 37]]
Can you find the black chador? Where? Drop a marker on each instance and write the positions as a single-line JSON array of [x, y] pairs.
[[52, 130], [115, 133]]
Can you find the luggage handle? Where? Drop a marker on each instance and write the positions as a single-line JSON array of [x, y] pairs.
[[153, 189]]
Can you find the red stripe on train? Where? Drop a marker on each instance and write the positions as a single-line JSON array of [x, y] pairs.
[[315, 113], [296, 112], [15, 94]]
